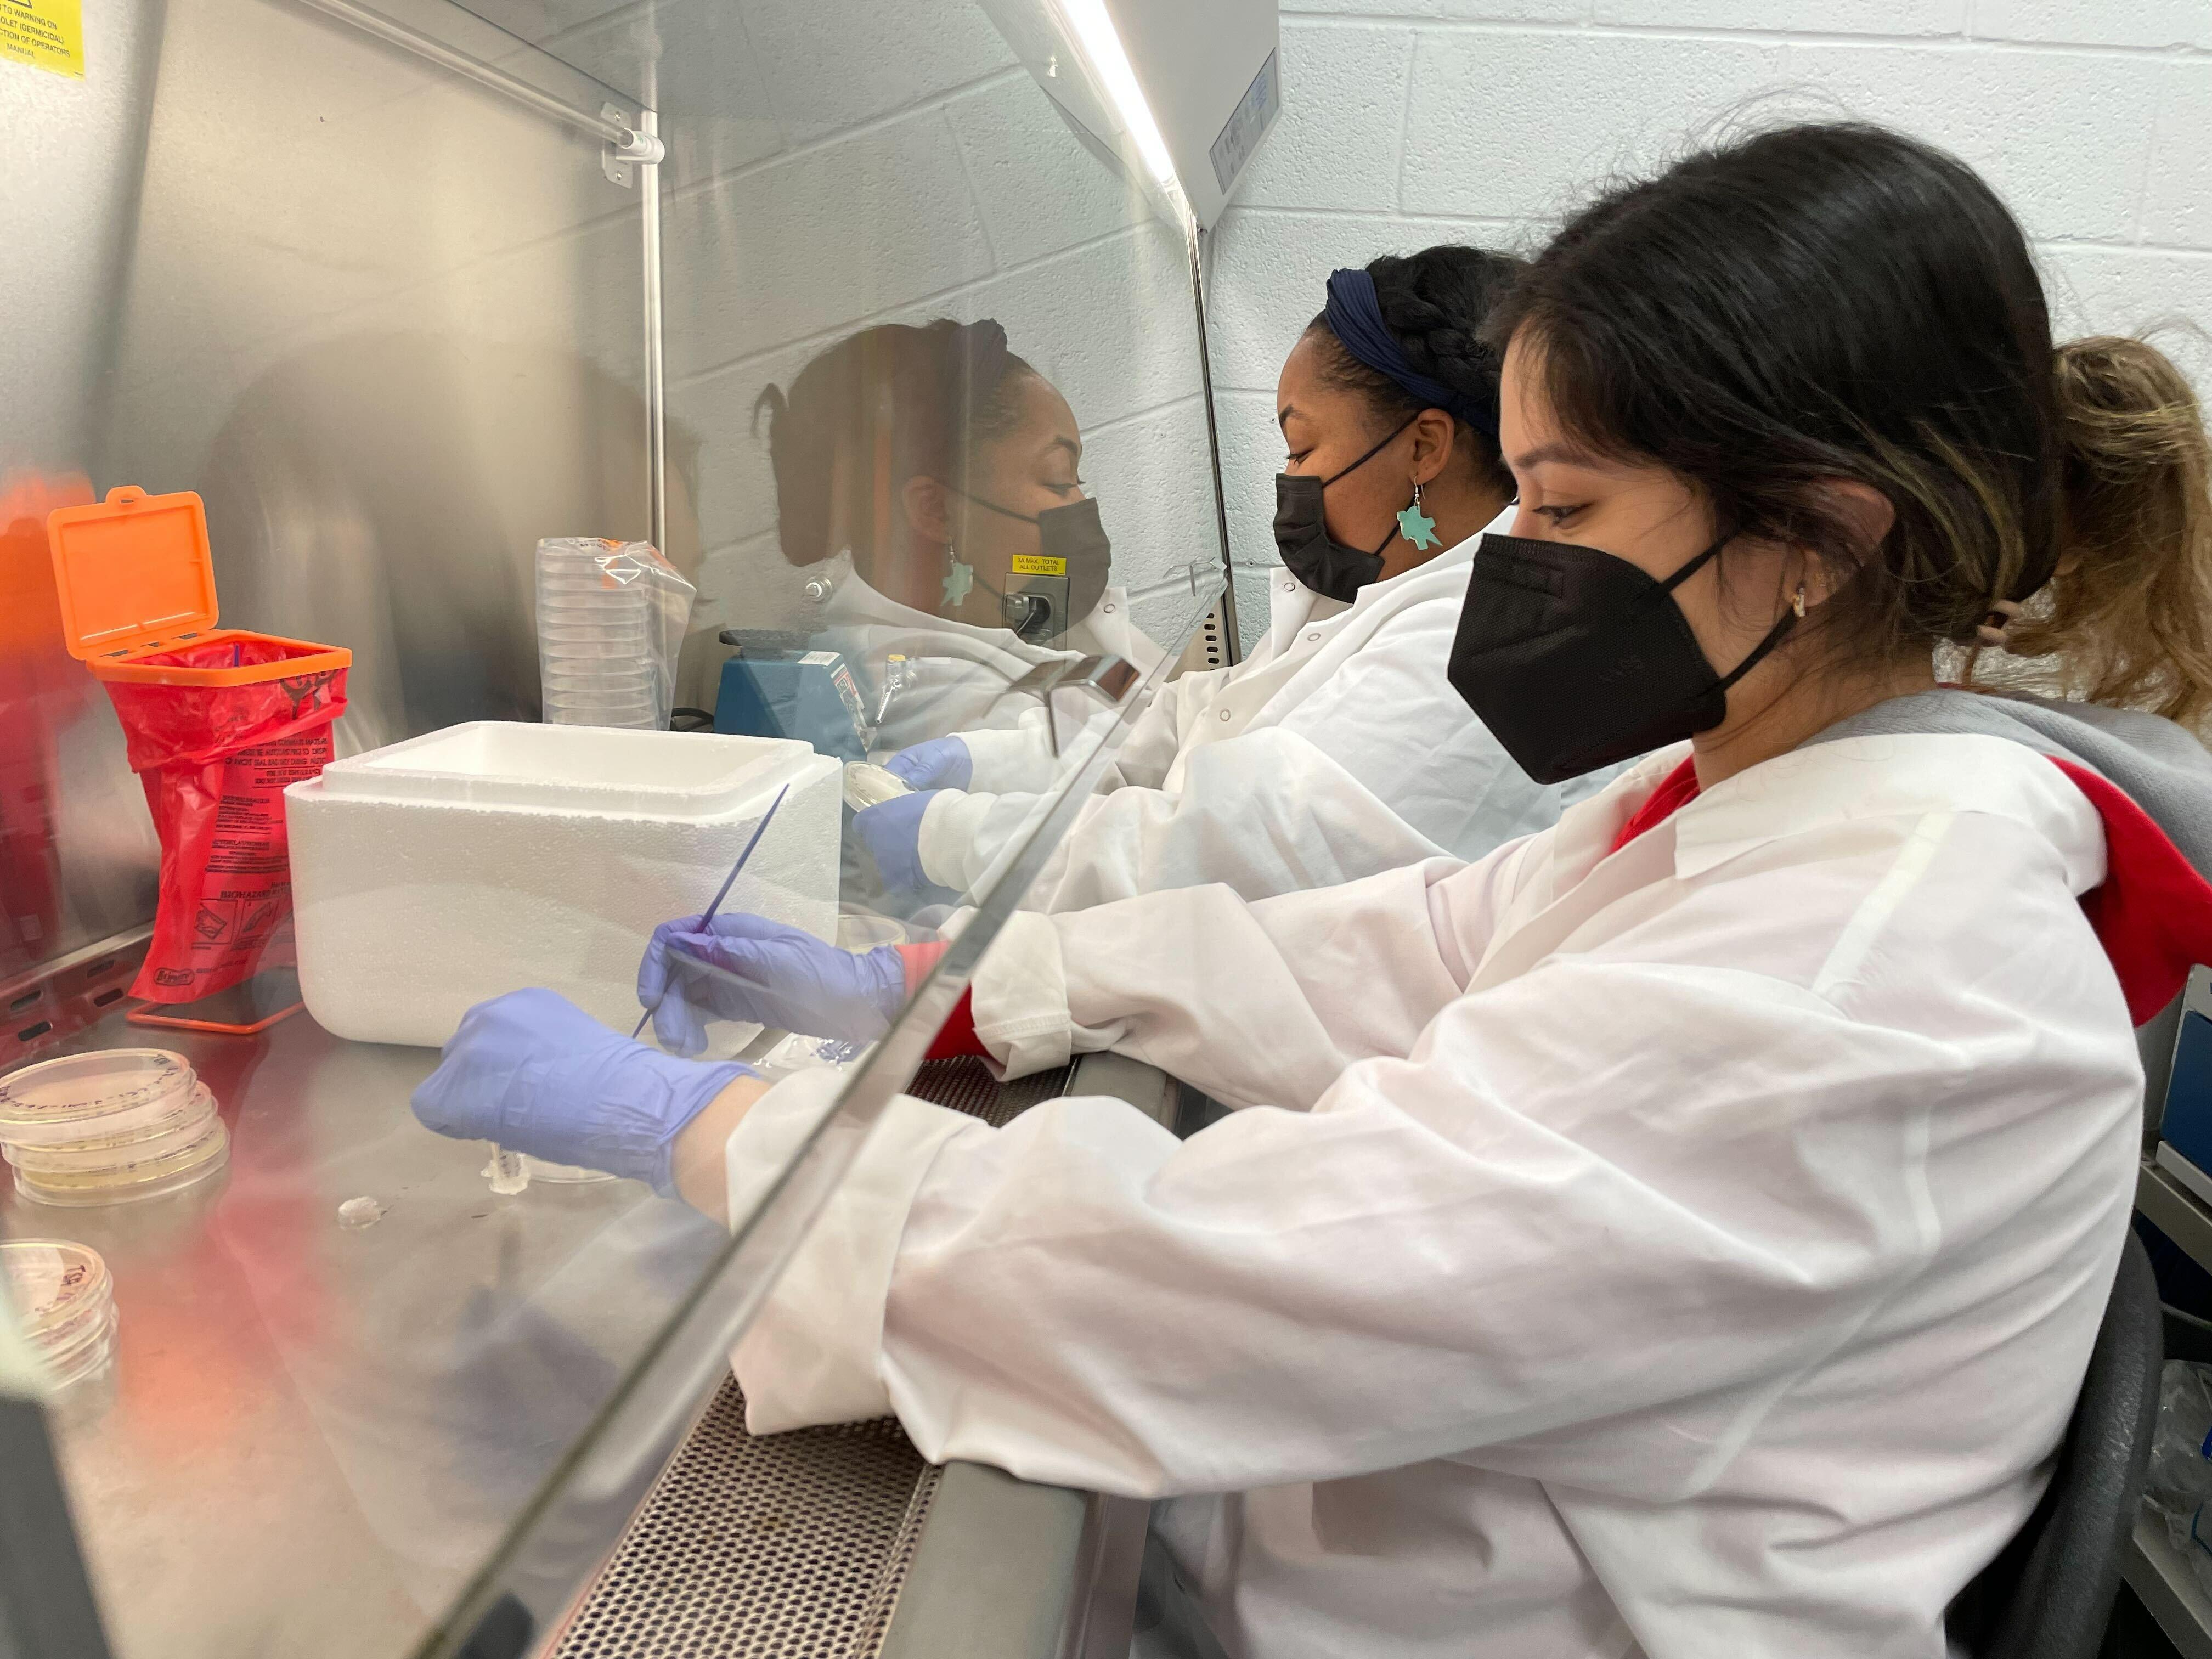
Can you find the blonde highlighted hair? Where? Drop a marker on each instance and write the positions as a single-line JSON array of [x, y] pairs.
[[2126, 617]]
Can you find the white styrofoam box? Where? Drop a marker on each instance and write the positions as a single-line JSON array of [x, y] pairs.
[[431, 875]]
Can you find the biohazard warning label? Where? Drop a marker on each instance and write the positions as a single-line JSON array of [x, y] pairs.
[[47, 34]]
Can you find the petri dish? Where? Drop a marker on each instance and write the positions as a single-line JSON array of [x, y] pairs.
[[569, 1175], [857, 930], [601, 674], [587, 653], [562, 585], [108, 1091], [80, 1189], [869, 785], [54, 1284], [173, 1134], [558, 621]]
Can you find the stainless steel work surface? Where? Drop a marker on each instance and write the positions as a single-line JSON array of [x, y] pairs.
[[314, 1434]]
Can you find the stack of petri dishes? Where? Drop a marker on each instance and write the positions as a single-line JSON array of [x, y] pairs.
[[63, 1295], [109, 1127], [595, 644]]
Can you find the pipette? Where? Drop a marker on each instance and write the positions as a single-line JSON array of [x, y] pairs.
[[707, 921]]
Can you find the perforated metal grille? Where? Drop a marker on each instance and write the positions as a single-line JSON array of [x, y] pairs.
[[965, 1086], [791, 1546]]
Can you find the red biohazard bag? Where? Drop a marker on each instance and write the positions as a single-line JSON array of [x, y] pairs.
[[216, 721]]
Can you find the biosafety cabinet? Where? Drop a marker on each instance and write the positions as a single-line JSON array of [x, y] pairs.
[[866, 338]]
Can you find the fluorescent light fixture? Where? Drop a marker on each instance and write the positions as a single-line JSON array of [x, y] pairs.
[[1101, 45]]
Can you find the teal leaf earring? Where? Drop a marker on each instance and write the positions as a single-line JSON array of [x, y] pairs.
[[959, 577], [1415, 525]]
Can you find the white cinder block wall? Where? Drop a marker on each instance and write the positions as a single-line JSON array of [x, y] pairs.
[[1410, 122]]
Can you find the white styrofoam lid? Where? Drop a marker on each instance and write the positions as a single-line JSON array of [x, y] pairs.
[[590, 768]]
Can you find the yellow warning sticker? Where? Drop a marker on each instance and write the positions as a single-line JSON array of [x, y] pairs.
[[1025, 564], [47, 34]]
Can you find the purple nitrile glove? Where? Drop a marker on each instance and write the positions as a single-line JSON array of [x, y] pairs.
[[939, 763], [746, 967], [892, 831], [536, 1073]]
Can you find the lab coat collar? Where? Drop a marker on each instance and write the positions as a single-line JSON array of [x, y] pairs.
[[1308, 606], [852, 604], [1460, 553], [1902, 774]]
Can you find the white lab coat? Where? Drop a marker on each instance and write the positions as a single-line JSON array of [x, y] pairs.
[[959, 673], [1692, 1249], [1337, 749]]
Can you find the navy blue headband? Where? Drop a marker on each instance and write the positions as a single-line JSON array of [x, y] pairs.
[[1355, 317]]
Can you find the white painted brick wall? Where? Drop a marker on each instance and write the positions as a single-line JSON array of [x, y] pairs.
[[1409, 122]]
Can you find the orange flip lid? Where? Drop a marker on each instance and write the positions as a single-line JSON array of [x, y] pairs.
[[132, 570]]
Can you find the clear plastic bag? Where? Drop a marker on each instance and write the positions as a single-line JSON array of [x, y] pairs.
[[799, 1053], [611, 617], [2178, 1486]]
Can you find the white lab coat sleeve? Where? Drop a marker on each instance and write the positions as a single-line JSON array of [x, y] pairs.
[[1014, 757], [1601, 1190], [1019, 759], [1382, 765], [965, 836], [1263, 813], [1398, 737], [830, 1364], [1253, 1002]]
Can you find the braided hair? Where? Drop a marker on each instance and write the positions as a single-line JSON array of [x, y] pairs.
[[895, 402], [1435, 303]]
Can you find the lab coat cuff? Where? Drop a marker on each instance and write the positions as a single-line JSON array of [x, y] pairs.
[[1009, 757], [1019, 997], [813, 1354], [945, 842]]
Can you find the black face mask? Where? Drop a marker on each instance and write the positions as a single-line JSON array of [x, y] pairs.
[[1575, 658], [1049, 591], [1328, 567]]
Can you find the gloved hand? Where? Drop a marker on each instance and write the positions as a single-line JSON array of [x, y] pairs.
[[892, 831], [746, 967], [939, 763], [536, 1073]]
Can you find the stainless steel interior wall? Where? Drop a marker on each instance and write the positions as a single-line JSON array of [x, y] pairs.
[[384, 321], [68, 198]]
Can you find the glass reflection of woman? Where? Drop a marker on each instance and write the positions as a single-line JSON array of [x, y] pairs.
[[928, 472]]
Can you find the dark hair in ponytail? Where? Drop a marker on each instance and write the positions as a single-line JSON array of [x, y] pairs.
[[1838, 301], [1435, 303], [872, 411]]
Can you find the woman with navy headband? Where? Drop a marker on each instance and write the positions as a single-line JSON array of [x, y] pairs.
[[1337, 748]]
